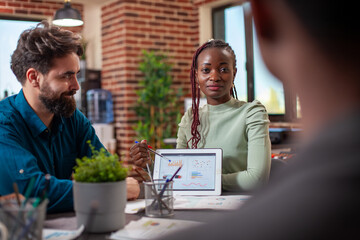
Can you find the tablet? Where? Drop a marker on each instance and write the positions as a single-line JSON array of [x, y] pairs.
[[200, 173]]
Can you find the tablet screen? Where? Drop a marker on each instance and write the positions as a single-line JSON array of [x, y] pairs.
[[200, 173], [197, 172]]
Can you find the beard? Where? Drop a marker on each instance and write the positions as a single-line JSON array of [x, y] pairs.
[[59, 105]]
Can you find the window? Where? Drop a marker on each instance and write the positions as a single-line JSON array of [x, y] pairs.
[[235, 36], [268, 89], [234, 24], [10, 31]]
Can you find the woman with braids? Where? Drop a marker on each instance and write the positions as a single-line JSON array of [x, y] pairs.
[[239, 128]]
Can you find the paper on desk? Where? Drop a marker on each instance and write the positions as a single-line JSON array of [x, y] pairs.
[[150, 228], [210, 202], [56, 234], [133, 207]]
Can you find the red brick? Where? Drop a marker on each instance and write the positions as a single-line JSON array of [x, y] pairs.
[[145, 3], [169, 12], [128, 14], [160, 5], [44, 7], [15, 5], [146, 42], [154, 10], [174, 32], [160, 18], [28, 5], [6, 10], [35, 12], [21, 11], [140, 9], [132, 28], [174, 19], [144, 16], [154, 36]]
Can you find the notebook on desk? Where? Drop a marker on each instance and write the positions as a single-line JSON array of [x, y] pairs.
[[200, 173]]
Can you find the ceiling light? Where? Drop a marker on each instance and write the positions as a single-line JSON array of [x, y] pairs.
[[67, 16]]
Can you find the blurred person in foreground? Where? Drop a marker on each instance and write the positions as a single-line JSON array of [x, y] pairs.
[[313, 47], [41, 131]]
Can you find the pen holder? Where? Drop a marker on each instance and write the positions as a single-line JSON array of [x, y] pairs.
[[24, 222], [159, 201]]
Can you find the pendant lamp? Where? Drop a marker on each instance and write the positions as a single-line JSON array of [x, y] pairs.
[[67, 16]]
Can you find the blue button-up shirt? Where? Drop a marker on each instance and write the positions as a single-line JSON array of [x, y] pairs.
[[29, 149]]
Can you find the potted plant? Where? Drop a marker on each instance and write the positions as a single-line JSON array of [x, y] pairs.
[[100, 191], [158, 107]]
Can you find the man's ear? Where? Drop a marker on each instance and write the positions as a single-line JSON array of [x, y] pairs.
[[32, 77], [264, 23], [268, 33]]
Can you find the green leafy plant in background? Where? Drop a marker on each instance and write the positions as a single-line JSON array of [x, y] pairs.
[[157, 105], [84, 44], [100, 167]]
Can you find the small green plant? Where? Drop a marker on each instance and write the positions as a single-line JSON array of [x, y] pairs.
[[100, 167]]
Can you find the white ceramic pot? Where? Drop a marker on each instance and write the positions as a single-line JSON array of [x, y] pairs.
[[3, 231], [100, 207]]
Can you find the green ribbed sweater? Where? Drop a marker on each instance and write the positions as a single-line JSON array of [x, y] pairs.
[[242, 131]]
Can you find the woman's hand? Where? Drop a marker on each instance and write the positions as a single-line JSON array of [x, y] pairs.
[[132, 188], [139, 154]]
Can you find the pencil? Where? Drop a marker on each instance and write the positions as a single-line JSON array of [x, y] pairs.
[[17, 194], [28, 190]]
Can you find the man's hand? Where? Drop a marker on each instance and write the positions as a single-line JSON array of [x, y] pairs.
[[11, 196], [139, 154], [132, 188]]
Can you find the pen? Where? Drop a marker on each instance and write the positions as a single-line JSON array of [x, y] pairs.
[[164, 187], [169, 180], [160, 155]]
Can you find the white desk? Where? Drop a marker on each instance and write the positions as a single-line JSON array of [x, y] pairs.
[[67, 221]]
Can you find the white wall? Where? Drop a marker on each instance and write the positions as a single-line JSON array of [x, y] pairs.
[[92, 34]]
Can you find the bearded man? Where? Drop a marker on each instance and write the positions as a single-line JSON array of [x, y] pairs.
[[41, 131]]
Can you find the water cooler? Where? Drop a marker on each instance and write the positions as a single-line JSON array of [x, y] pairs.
[[101, 115]]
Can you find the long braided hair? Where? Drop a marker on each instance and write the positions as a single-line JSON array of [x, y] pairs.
[[195, 89]]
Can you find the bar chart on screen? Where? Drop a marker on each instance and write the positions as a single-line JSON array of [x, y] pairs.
[[197, 172]]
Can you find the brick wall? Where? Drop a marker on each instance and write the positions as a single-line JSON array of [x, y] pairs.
[[37, 9], [202, 2], [168, 26]]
